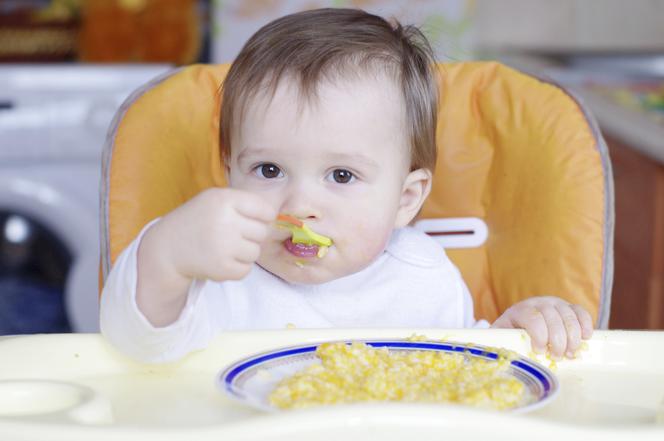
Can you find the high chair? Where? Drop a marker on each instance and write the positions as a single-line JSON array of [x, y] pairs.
[[522, 193]]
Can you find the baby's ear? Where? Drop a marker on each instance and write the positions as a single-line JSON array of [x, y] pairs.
[[416, 188]]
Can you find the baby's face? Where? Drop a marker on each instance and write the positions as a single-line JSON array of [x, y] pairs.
[[337, 163]]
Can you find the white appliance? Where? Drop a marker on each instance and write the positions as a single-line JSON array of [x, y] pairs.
[[53, 123]]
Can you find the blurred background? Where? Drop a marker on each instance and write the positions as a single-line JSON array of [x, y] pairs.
[[66, 66]]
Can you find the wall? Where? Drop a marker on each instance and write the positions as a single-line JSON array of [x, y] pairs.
[[571, 25], [447, 23]]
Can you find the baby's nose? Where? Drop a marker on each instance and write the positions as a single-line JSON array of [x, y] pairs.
[[302, 204]]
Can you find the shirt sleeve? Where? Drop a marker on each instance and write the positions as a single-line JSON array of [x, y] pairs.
[[125, 326]]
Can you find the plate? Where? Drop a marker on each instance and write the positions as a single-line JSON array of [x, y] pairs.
[[252, 379]]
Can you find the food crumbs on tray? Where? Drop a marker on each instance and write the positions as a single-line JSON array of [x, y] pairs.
[[417, 337], [582, 348], [545, 359], [357, 372]]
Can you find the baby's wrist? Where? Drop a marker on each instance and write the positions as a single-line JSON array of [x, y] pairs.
[[156, 261]]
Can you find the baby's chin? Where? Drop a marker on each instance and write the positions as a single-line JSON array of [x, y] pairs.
[[305, 273]]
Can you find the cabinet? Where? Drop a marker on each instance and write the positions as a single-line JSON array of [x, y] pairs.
[[638, 283]]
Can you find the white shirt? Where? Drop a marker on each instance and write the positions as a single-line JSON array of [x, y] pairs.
[[412, 284]]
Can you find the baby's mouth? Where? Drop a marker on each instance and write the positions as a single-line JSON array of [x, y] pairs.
[[301, 250], [304, 242]]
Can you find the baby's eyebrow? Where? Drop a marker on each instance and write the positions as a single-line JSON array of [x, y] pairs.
[[353, 158], [251, 152], [337, 158]]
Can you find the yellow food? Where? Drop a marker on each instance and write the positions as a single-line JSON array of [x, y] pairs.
[[358, 372], [322, 252], [302, 233], [307, 236]]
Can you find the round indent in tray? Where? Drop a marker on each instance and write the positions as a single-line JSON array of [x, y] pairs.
[[34, 397]]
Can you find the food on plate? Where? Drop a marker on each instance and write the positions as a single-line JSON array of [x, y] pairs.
[[357, 372]]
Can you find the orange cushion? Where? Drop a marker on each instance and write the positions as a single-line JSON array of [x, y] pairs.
[[514, 151]]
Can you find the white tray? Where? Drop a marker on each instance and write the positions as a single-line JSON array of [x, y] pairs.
[[76, 387]]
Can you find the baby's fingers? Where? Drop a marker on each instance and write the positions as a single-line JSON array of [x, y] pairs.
[[586, 321], [256, 207], [572, 328], [532, 320], [556, 329], [253, 230]]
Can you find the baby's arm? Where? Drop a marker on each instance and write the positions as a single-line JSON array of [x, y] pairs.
[[551, 322], [217, 235]]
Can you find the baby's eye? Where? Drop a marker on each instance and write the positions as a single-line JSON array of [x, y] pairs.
[[342, 176], [268, 171]]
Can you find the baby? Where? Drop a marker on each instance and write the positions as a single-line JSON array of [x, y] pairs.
[[329, 118]]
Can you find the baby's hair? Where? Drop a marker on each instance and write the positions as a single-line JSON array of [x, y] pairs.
[[321, 44]]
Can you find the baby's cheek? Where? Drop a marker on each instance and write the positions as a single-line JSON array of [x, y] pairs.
[[371, 241]]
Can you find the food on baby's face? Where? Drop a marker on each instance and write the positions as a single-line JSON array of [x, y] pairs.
[[304, 242], [358, 372], [322, 251], [306, 236]]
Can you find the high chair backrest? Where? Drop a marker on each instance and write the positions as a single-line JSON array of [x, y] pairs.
[[520, 154]]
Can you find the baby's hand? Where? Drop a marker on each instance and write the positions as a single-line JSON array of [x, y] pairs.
[[551, 323], [218, 234]]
